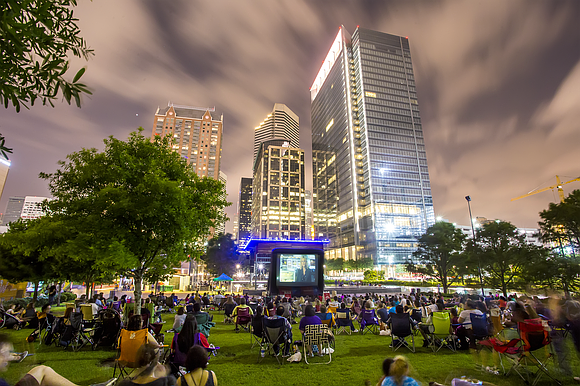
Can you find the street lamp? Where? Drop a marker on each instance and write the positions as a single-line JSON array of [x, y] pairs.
[[468, 198]]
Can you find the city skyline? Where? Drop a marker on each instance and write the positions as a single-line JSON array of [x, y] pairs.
[[496, 83]]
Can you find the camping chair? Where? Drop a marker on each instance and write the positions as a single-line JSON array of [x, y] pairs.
[[243, 318], [88, 317], [327, 319], [534, 341], [343, 321], [417, 316], [228, 310], [316, 335], [274, 338], [368, 321], [479, 329], [10, 321], [204, 323], [75, 335], [401, 329], [442, 335], [257, 330], [129, 344]]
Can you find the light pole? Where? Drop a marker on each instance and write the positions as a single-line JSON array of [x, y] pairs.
[[468, 198]]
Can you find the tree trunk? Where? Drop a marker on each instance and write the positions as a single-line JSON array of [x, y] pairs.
[[35, 295], [87, 288], [137, 280]]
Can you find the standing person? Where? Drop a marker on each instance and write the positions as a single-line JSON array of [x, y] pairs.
[[51, 294], [195, 365]]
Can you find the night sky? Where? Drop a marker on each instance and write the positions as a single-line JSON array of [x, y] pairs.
[[498, 85]]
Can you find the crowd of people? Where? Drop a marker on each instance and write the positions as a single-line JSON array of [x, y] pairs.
[[561, 313]]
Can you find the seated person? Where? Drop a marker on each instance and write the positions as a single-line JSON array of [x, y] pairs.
[[325, 315], [287, 330], [386, 369], [308, 319], [257, 326], [149, 371], [229, 307], [355, 308], [185, 340], [135, 324], [29, 315], [179, 319], [39, 375], [242, 306], [197, 311], [464, 331], [383, 312], [195, 365], [343, 322], [397, 374]]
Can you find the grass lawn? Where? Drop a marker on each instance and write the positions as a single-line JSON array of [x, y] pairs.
[[357, 359]]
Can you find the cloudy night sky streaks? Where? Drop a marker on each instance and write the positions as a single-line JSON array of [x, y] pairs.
[[498, 85]]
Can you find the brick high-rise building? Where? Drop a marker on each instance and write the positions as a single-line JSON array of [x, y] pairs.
[[197, 133]]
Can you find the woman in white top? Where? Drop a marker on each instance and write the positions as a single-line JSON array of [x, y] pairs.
[[179, 319]]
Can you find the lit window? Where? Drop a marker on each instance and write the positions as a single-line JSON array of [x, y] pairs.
[[370, 94], [330, 124]]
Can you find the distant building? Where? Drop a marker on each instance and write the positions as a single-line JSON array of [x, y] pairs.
[[197, 133], [371, 190], [4, 169], [245, 209], [532, 234], [236, 227], [27, 208], [281, 123], [221, 228], [278, 192], [309, 230]]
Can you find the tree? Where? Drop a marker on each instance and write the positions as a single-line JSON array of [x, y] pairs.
[[560, 224], [221, 255], [37, 38], [137, 204], [439, 254], [503, 254], [359, 264], [335, 264], [23, 256]]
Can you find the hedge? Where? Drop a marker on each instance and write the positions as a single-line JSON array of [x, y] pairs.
[[40, 301]]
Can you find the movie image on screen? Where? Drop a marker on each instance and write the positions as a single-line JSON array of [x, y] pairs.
[[297, 270]]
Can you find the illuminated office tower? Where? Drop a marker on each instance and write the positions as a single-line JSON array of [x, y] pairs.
[[245, 209], [371, 191], [281, 123], [4, 169], [223, 178], [197, 133], [278, 192]]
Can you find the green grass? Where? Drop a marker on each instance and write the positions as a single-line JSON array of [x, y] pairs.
[[357, 358]]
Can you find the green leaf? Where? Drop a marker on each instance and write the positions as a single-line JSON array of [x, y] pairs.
[[79, 74]]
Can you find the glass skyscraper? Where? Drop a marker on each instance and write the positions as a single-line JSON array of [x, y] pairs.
[[371, 191]]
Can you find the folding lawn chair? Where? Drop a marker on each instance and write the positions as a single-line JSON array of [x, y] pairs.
[[75, 335], [417, 316], [401, 330], [228, 309], [129, 344], [243, 318], [368, 321], [274, 338], [257, 331], [343, 321], [316, 335], [88, 317], [480, 330], [327, 319], [10, 321], [204, 323], [534, 341], [442, 335]]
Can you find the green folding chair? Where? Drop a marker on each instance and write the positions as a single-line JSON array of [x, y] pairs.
[[442, 335]]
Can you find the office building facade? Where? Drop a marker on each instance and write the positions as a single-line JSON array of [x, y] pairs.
[[197, 134], [245, 209], [281, 123], [371, 190], [278, 192], [26, 208]]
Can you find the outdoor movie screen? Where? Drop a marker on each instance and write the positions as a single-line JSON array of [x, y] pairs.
[[297, 270]]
